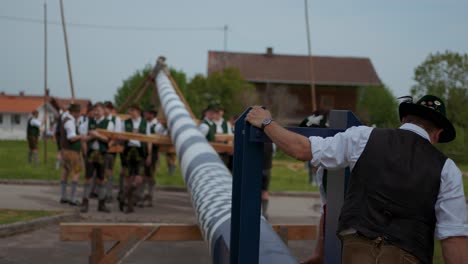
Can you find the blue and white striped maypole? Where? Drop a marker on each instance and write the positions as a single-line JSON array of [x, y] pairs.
[[208, 180]]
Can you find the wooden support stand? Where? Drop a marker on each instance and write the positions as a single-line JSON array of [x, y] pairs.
[[129, 236]]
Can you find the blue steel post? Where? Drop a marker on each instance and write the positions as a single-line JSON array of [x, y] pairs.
[[339, 121], [336, 187], [246, 196]]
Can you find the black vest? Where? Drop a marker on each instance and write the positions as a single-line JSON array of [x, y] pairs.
[[393, 190]]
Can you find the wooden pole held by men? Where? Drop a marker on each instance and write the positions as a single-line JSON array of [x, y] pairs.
[[70, 77], [45, 84]]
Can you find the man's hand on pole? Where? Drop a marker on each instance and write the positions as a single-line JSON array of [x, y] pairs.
[[256, 116]]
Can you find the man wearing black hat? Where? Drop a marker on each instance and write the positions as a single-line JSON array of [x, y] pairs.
[[208, 127], [70, 145], [402, 190]]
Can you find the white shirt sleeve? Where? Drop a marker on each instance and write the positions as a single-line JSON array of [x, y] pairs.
[[204, 129], [70, 128], [35, 122], [148, 128], [229, 129], [118, 124], [341, 150], [160, 130], [83, 128], [110, 126], [451, 208], [323, 196]]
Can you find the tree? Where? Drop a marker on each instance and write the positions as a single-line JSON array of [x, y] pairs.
[[446, 75], [150, 96], [377, 106], [226, 87]]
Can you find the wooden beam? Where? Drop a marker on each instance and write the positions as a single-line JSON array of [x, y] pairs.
[[165, 232], [117, 231], [164, 141], [224, 137], [182, 98], [155, 139]]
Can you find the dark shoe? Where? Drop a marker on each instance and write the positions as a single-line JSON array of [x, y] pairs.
[[130, 197], [149, 199], [121, 200], [74, 203], [93, 195], [63, 201], [84, 206], [102, 206]]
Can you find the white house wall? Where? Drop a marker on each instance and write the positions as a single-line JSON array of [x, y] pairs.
[[9, 131]]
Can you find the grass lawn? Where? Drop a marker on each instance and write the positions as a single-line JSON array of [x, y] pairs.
[[287, 174], [14, 165], [8, 216]]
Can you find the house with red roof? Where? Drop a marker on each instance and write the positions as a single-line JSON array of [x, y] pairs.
[[15, 111], [283, 82]]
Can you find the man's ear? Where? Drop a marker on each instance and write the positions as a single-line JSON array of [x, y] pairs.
[[403, 120], [436, 135]]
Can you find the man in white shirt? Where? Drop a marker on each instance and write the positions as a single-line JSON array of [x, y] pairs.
[[97, 148], [33, 131], [155, 128], [70, 145], [109, 158], [402, 190], [208, 127], [135, 153]]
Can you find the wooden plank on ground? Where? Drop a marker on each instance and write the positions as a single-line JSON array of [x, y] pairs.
[[166, 232], [112, 232]]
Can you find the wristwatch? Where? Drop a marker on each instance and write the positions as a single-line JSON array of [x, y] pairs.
[[266, 122]]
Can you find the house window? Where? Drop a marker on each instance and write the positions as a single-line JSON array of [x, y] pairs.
[[1, 119], [327, 101], [16, 119]]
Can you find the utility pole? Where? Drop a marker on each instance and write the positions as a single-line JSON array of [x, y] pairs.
[[310, 64], [225, 37], [67, 53], [46, 95]]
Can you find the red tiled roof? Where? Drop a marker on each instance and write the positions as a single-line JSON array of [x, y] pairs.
[[61, 103], [294, 68], [29, 103], [20, 104]]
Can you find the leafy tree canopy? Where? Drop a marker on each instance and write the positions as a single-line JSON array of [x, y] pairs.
[[446, 75], [377, 106], [226, 87]]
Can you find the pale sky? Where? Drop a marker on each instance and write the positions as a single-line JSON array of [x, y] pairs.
[[396, 35]]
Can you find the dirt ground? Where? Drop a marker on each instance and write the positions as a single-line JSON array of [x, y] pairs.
[[44, 246]]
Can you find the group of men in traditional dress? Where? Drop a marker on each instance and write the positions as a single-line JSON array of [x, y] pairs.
[[81, 138]]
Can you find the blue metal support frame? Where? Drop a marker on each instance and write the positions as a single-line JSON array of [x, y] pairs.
[[246, 190]]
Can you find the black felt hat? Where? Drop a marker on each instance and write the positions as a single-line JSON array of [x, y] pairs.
[[135, 107], [74, 108], [151, 109], [432, 108]]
